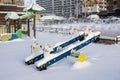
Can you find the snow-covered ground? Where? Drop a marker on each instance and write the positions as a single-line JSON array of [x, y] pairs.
[[107, 29], [103, 61]]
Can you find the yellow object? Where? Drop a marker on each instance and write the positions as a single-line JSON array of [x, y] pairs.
[[37, 16], [5, 37], [82, 58]]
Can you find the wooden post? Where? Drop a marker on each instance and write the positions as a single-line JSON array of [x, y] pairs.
[[28, 27], [34, 27], [14, 25], [19, 24], [8, 26], [12, 30]]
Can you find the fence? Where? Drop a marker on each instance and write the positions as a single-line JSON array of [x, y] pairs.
[[66, 31], [3, 29], [53, 30]]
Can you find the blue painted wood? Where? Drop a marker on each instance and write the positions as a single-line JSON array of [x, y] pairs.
[[32, 61], [67, 53], [67, 43]]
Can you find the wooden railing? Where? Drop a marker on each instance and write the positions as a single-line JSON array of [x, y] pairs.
[[53, 30], [20, 2], [4, 29]]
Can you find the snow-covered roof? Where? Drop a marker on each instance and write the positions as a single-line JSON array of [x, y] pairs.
[[34, 7], [12, 15], [52, 17], [72, 18], [93, 16]]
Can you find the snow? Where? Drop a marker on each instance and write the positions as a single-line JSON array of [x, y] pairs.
[[52, 17], [12, 15], [45, 60], [86, 38], [94, 16], [81, 65], [57, 44], [103, 59], [35, 7], [112, 19], [111, 29], [32, 56]]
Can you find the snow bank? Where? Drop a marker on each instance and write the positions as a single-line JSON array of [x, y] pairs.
[[111, 29], [94, 16], [81, 65], [112, 19], [52, 17], [102, 58]]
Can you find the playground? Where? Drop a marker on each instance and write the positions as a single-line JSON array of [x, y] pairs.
[[21, 60], [49, 56], [61, 50], [102, 61]]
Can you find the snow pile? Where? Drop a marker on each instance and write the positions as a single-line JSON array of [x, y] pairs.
[[94, 16], [111, 29], [81, 65], [52, 17], [112, 19]]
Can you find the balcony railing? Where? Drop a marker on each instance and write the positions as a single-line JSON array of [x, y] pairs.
[[10, 2]]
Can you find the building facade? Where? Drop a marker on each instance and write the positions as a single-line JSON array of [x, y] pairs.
[[7, 6], [116, 7], [77, 8], [113, 7], [103, 7], [94, 7], [66, 8]]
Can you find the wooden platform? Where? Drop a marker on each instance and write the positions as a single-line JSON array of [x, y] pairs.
[[108, 40]]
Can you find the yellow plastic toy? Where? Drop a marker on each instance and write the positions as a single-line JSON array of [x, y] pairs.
[[5, 37], [82, 58]]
